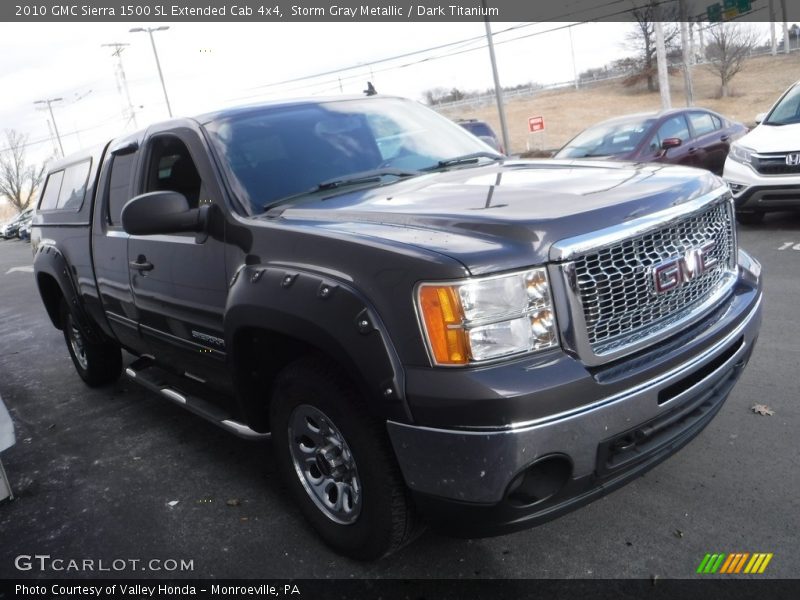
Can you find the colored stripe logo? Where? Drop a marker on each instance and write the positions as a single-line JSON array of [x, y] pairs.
[[737, 562]]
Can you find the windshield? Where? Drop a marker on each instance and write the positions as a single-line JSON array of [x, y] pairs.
[[787, 110], [607, 139], [272, 153]]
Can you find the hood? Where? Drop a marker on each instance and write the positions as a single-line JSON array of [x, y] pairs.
[[506, 215], [773, 138]]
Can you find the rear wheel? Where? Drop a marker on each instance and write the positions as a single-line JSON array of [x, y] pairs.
[[97, 363], [749, 218], [337, 461]]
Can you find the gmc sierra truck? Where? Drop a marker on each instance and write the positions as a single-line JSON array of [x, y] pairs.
[[429, 331]]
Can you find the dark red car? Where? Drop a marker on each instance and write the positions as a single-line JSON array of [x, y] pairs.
[[695, 137]]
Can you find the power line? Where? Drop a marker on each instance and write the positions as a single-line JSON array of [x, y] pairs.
[[463, 42]]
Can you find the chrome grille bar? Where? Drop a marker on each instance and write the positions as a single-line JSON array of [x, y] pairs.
[[608, 287]]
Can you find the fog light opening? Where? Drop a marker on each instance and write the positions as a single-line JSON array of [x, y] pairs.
[[736, 188], [540, 481]]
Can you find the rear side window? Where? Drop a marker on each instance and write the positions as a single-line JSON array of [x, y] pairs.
[[51, 188], [702, 123], [66, 189], [119, 186]]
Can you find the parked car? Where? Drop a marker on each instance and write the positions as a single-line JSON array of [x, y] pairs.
[[24, 230], [693, 137], [419, 323], [11, 228], [484, 131], [763, 167]]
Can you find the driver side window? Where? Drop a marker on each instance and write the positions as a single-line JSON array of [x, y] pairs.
[[674, 127], [171, 168]]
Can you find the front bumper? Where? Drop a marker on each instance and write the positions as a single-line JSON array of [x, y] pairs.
[[754, 192], [470, 477]]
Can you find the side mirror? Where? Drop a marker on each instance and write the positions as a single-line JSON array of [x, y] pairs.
[[161, 212], [668, 143], [760, 117]]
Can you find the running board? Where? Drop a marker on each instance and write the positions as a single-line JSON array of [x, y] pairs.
[[145, 372]]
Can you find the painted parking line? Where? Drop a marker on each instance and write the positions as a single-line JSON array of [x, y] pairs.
[[25, 269]]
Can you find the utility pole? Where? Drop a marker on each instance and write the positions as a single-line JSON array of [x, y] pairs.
[[700, 29], [122, 81], [574, 66], [150, 30], [497, 89], [661, 59], [49, 103], [786, 44], [687, 55], [772, 27]]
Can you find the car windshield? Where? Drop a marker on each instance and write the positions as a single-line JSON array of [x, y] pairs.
[[787, 110], [477, 128], [607, 139], [275, 153]]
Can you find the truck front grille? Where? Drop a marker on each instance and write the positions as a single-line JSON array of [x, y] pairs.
[[617, 287], [617, 306]]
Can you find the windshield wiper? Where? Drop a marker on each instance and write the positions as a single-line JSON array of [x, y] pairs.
[[373, 175], [464, 160], [363, 177]]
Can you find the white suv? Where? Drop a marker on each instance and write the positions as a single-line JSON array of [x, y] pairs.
[[763, 167]]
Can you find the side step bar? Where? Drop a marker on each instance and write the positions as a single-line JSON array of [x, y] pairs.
[[144, 372]]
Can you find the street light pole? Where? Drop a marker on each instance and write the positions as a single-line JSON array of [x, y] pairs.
[[49, 103], [150, 31]]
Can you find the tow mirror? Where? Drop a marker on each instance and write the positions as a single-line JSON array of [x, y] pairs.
[[162, 212]]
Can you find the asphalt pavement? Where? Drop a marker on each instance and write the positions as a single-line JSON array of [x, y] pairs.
[[119, 474]]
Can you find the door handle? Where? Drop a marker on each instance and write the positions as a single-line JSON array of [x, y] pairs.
[[724, 138], [140, 264], [692, 150]]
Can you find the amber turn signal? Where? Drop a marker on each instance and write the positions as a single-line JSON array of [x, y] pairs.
[[443, 317]]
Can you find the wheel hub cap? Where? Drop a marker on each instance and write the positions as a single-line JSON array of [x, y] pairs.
[[324, 464]]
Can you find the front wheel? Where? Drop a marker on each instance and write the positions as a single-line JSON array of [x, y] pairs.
[[337, 461], [97, 363]]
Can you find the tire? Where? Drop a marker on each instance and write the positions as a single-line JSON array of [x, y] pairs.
[[96, 363], [749, 218], [322, 432]]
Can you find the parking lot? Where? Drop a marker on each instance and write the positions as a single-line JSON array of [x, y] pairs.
[[118, 473]]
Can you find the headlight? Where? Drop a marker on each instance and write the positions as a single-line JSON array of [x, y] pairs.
[[741, 154], [482, 319]]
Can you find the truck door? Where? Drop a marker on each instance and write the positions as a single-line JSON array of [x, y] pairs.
[[179, 281], [110, 243]]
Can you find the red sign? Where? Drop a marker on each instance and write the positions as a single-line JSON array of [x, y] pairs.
[[535, 124]]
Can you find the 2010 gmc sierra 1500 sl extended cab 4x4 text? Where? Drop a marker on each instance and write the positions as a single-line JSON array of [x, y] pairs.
[[423, 326]]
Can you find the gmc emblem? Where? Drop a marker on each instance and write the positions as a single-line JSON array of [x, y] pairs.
[[673, 273]]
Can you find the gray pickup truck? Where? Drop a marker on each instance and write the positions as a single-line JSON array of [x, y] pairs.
[[428, 330]]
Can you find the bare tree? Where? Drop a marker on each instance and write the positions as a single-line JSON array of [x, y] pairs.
[[642, 41], [729, 46], [440, 95], [18, 180]]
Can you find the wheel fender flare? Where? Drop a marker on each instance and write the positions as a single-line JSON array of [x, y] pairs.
[[326, 313], [50, 261]]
